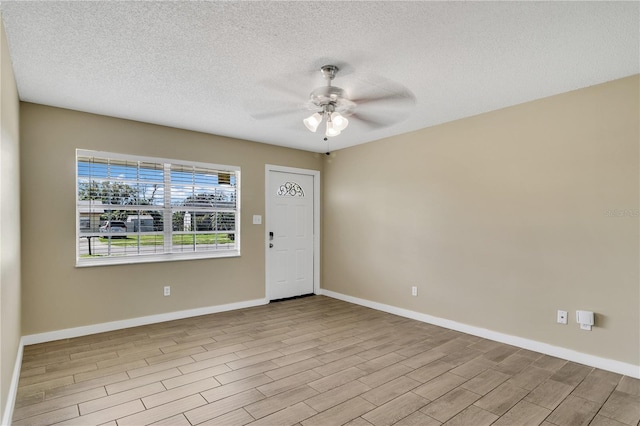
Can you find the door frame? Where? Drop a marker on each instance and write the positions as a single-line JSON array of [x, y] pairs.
[[316, 222]]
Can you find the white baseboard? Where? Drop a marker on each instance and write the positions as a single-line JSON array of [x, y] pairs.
[[619, 367], [135, 322], [9, 405]]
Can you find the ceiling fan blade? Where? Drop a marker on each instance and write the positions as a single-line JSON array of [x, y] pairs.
[[367, 121], [278, 88], [267, 114], [404, 96], [371, 88], [280, 96], [386, 107], [378, 118]]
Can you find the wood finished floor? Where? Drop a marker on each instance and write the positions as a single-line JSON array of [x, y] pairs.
[[311, 361]]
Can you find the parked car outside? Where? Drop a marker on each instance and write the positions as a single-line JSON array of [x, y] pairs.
[[139, 223], [114, 227]]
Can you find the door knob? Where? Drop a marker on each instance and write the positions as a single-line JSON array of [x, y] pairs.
[[270, 245]]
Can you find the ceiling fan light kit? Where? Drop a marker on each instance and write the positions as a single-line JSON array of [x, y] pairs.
[[336, 122]]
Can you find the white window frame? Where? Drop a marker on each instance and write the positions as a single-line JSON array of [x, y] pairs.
[[166, 209]]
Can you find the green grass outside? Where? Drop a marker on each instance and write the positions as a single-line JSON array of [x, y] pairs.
[[158, 240]]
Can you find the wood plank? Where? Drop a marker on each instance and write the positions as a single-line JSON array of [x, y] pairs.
[[310, 361]]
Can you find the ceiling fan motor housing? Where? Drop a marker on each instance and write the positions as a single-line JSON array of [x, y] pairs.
[[323, 98], [326, 94]]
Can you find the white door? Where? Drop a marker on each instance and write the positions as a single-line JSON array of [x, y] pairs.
[[290, 234]]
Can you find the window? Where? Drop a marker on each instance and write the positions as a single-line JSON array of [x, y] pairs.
[[133, 209]]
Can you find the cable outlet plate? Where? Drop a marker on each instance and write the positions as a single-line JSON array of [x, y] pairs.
[[562, 317]]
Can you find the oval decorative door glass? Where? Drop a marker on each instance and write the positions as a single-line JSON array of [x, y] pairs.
[[291, 189]]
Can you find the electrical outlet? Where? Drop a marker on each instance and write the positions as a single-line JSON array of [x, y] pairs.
[[562, 317], [167, 290], [414, 291]]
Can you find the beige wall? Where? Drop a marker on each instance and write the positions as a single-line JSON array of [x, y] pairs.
[[57, 295], [500, 220], [9, 222]]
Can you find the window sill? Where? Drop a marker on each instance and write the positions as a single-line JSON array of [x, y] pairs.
[[84, 263]]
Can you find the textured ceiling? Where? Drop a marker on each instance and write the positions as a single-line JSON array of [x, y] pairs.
[[209, 66]]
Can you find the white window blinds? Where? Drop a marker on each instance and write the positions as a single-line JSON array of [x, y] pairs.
[[138, 209]]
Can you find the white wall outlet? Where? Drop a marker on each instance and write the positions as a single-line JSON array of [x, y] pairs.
[[167, 290], [585, 319], [414, 291], [257, 219], [562, 317]]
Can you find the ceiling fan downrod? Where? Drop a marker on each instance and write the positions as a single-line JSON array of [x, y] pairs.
[[329, 72]]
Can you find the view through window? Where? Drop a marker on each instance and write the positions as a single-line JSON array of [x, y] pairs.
[[138, 209]]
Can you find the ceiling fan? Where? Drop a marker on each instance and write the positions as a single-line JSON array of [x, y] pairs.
[[373, 102]]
